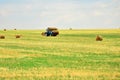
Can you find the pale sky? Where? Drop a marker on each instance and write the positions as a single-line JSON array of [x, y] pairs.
[[63, 14]]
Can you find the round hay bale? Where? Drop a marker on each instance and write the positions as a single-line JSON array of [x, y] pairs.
[[2, 37], [43, 33], [55, 33], [99, 38], [18, 36], [5, 30], [51, 28], [70, 28]]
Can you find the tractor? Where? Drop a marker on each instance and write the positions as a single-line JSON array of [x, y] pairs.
[[50, 31]]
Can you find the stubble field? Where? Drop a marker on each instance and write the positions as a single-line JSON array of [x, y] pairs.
[[72, 55]]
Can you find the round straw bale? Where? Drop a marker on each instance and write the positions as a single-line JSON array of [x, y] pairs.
[[55, 33], [99, 38], [51, 28], [43, 33], [2, 37], [17, 36], [5, 30]]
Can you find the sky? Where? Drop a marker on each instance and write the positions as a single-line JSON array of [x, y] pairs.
[[63, 14]]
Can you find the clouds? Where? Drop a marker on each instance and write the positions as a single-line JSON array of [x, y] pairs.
[[60, 13]]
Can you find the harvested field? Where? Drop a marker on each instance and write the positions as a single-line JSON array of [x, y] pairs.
[[73, 55]]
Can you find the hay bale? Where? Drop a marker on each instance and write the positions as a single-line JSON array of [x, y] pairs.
[[5, 30], [55, 33], [99, 38], [51, 28], [18, 36], [15, 29], [43, 33], [70, 28], [2, 37]]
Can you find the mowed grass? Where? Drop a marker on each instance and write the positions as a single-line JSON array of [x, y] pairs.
[[73, 55]]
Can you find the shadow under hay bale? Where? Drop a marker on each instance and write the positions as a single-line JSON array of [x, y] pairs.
[[2, 37], [99, 38]]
